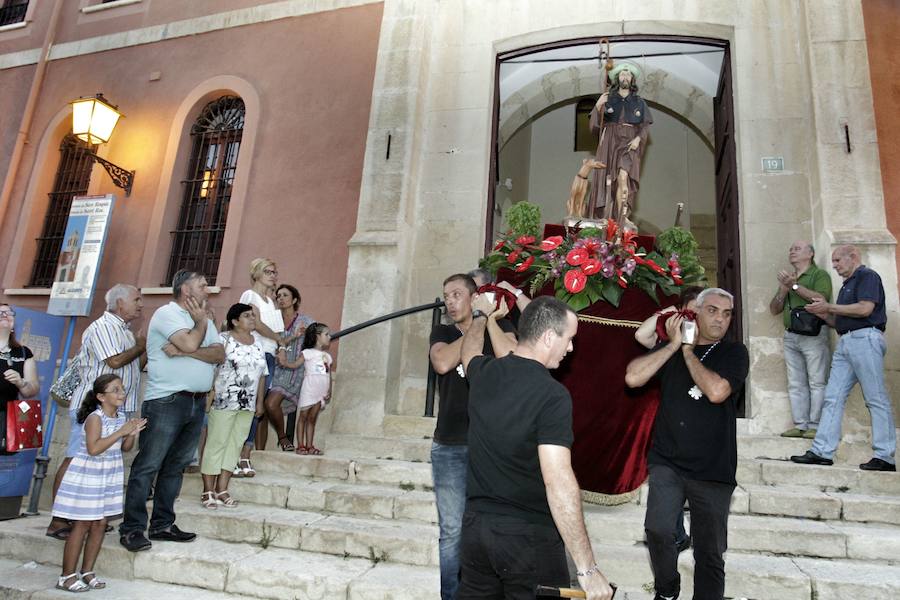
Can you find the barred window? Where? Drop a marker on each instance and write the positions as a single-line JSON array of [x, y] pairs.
[[73, 175], [12, 11], [215, 140]]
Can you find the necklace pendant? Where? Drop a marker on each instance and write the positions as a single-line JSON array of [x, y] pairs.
[[695, 393]]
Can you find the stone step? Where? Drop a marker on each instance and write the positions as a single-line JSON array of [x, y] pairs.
[[407, 426], [32, 581], [389, 540], [207, 569], [835, 478], [368, 470], [390, 448], [233, 568], [754, 534]]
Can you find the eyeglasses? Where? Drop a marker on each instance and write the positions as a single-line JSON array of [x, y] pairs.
[[7, 313], [270, 272]]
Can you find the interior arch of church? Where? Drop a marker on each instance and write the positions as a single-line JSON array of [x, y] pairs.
[[541, 133]]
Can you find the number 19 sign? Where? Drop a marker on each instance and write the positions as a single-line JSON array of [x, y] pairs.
[[80, 255]]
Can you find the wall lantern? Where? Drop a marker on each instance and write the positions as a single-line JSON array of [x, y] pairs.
[[93, 121]]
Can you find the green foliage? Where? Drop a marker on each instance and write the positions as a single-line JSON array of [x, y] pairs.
[[680, 241], [676, 240], [524, 218], [592, 232]]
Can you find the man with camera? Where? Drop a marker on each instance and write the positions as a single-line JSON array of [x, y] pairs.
[[807, 354], [694, 449]]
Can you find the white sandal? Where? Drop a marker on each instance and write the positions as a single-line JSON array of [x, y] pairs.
[[208, 499], [238, 471], [94, 583], [228, 502], [77, 586], [246, 467]]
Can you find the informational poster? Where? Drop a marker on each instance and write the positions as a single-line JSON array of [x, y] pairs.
[[80, 256]]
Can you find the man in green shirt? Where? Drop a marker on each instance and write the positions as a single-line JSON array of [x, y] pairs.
[[807, 357]]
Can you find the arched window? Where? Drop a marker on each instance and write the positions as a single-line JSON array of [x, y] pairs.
[[73, 175], [215, 142]]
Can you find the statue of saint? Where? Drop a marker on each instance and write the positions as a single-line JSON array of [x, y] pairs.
[[623, 120]]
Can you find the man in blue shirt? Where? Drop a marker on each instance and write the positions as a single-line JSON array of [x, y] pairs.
[[859, 317], [183, 350]]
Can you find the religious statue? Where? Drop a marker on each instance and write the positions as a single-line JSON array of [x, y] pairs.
[[623, 120]]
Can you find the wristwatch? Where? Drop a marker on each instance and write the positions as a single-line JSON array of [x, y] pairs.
[[795, 287], [478, 313]]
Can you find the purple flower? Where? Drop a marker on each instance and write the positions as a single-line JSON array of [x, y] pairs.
[[608, 270], [630, 264]]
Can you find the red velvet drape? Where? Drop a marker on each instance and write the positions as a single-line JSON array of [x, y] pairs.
[[612, 423]]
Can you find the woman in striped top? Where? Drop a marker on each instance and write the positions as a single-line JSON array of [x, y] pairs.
[[91, 489]]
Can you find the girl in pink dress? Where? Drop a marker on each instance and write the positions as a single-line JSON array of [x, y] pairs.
[[316, 388]]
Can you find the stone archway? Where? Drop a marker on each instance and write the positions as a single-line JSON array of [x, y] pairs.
[[661, 87]]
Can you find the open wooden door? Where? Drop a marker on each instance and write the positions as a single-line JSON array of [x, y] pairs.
[[727, 206], [728, 241]]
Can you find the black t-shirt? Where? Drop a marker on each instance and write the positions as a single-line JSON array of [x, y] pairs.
[[863, 284], [453, 389], [515, 406], [695, 436], [16, 362]]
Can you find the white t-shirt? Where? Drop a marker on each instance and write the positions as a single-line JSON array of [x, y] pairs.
[[269, 314]]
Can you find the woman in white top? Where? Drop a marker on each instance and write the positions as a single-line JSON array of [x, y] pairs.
[[269, 328]]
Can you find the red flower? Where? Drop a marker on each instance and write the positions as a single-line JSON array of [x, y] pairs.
[[591, 266], [655, 267], [678, 280], [611, 228], [500, 244], [551, 243], [591, 246], [513, 257], [525, 240], [576, 256], [628, 239], [575, 280], [524, 266], [623, 283]]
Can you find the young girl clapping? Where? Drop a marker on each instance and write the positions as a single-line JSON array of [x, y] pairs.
[[91, 489]]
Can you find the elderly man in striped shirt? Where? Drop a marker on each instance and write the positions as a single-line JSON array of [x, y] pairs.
[[107, 346]]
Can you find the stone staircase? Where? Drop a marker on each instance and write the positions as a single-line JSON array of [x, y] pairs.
[[360, 523]]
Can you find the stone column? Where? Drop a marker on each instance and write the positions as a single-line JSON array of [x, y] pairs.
[[850, 199], [376, 278]]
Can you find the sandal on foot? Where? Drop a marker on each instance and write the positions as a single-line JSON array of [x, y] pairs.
[[246, 468], [76, 586], [94, 583], [228, 502], [208, 500], [315, 451], [286, 445], [61, 533], [302, 450]]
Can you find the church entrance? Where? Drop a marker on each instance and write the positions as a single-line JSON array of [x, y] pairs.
[[543, 100]]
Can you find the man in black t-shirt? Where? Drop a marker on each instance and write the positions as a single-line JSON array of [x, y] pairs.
[[449, 452], [522, 494], [694, 448]]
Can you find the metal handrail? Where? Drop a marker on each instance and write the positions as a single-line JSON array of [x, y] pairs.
[[435, 308]]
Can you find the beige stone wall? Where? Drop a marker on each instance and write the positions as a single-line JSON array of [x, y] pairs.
[[422, 212]]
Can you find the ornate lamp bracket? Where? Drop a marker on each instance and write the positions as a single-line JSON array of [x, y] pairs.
[[121, 177]]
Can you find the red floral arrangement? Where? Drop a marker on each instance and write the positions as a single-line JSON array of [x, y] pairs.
[[588, 265]]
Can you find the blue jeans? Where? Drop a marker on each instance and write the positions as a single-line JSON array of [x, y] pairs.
[[859, 357], [166, 447], [449, 469]]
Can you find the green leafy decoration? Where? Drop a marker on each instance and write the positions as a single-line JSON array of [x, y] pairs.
[[524, 218]]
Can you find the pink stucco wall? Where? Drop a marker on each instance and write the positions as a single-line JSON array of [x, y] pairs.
[[313, 76]]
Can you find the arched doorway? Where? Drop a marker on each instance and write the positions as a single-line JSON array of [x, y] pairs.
[[690, 157]]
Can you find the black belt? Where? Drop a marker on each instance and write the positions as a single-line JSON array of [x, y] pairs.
[[194, 395]]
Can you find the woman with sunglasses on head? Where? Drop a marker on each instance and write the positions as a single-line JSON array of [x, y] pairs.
[[18, 369]]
